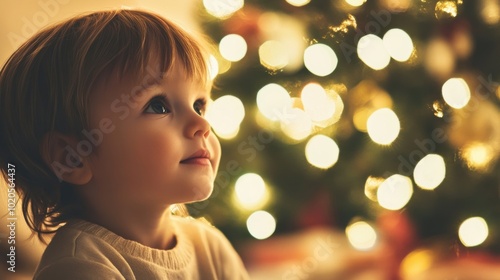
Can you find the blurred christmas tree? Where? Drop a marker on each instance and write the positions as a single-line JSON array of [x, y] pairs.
[[406, 89]]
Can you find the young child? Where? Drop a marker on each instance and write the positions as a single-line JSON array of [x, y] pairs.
[[102, 117]]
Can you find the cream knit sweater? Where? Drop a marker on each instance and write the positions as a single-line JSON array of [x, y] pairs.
[[82, 250]]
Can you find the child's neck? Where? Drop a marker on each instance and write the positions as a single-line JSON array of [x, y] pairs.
[[155, 231]]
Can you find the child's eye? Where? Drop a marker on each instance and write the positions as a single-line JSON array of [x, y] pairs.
[[157, 106], [200, 106]]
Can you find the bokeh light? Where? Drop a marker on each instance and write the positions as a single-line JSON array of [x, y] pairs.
[[222, 8], [355, 3], [361, 235], [261, 224], [317, 104], [395, 192], [478, 156], [429, 172], [456, 93], [371, 186], [439, 58], [213, 67], [372, 52], [297, 125], [320, 59], [225, 115], [473, 231], [383, 126], [445, 9], [322, 151], [251, 191], [398, 44], [416, 262], [273, 55], [298, 3], [273, 101], [233, 47]]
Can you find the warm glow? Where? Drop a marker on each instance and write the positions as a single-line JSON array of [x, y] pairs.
[[398, 44], [298, 3], [456, 93], [478, 156], [430, 171], [250, 190], [372, 52], [273, 55], [490, 11], [473, 231], [225, 115], [297, 125], [222, 8], [261, 224], [322, 151], [439, 58], [361, 235], [446, 9], [273, 101], [213, 67], [317, 104], [383, 126], [371, 186], [355, 3], [233, 47], [320, 59], [395, 192], [417, 262]]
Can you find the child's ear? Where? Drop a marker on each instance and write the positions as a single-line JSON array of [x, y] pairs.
[[60, 153]]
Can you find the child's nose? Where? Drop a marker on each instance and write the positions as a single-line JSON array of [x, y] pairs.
[[197, 126]]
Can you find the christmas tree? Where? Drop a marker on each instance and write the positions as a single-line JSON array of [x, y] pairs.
[[407, 90]]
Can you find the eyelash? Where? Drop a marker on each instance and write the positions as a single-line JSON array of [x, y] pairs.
[[199, 106]]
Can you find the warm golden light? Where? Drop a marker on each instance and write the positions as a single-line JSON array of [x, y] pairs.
[[233, 47], [320, 59], [273, 101], [213, 67], [225, 115], [297, 125], [398, 44], [355, 3], [473, 231], [361, 235], [222, 8], [298, 3], [478, 156], [383, 126], [490, 11], [429, 172], [417, 262], [456, 93], [251, 191], [439, 58], [317, 103], [395, 192], [446, 9], [372, 52], [273, 55], [371, 187], [261, 224], [321, 151]]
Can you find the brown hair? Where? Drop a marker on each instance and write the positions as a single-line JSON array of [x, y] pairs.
[[45, 87]]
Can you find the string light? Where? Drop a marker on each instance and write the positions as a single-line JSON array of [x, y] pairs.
[[320, 59], [372, 52], [473, 231], [321, 151], [355, 3], [273, 55], [298, 3], [383, 126], [361, 235], [297, 125], [251, 191], [225, 115], [261, 224], [478, 156], [398, 44], [429, 172], [233, 47], [395, 192], [456, 93], [273, 101], [317, 103], [222, 8]]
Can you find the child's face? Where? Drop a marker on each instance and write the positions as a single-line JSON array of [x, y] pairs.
[[161, 149]]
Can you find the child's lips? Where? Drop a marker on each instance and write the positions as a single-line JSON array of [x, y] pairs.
[[201, 157]]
